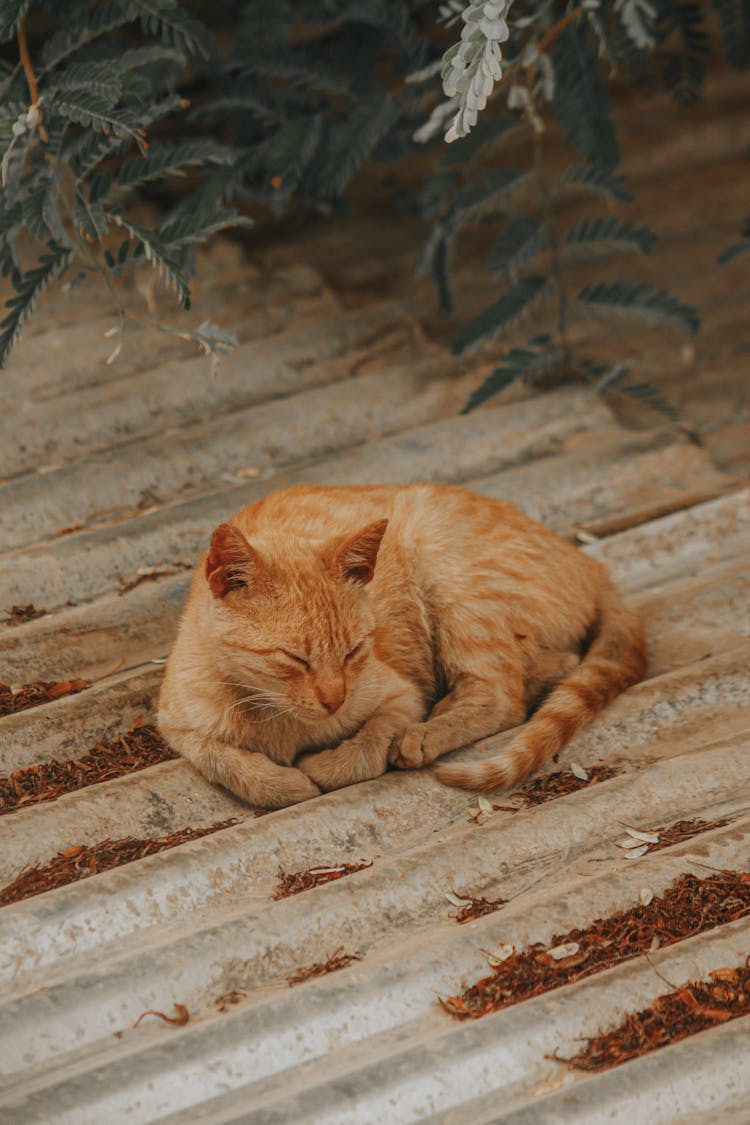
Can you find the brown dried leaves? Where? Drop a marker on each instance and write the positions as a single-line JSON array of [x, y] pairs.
[[82, 860], [14, 699], [676, 1015], [469, 909], [557, 784], [142, 746], [337, 960], [19, 614], [293, 882], [690, 906]]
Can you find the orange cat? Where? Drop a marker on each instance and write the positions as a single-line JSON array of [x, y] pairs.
[[330, 631]]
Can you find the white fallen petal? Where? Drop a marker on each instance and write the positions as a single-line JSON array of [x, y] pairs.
[[567, 949], [655, 943], [646, 896], [454, 900], [485, 805], [628, 842], [502, 953], [646, 837], [636, 853], [578, 771]]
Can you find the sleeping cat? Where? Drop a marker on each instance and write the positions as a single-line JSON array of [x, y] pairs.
[[332, 631]]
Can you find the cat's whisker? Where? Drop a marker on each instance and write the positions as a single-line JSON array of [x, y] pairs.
[[278, 715], [258, 702]]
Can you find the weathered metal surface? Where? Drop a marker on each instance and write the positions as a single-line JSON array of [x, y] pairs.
[[320, 394], [84, 565]]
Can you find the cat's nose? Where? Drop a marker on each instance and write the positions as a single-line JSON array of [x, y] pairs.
[[331, 696]]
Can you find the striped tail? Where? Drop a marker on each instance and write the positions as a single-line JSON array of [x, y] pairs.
[[616, 660]]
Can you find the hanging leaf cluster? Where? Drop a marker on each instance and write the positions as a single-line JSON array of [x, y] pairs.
[[211, 113]]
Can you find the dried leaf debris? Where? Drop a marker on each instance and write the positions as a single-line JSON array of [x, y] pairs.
[[684, 829], [337, 960], [688, 907], [470, 908], [294, 882], [179, 1019], [19, 614], [636, 842], [14, 699], [140, 747], [676, 1015], [82, 860], [557, 784]]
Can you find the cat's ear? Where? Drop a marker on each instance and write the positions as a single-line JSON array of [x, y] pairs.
[[232, 564], [355, 558]]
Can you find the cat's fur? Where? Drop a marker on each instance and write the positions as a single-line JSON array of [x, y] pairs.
[[330, 631]]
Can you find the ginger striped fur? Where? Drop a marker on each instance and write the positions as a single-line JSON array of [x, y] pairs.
[[330, 632]]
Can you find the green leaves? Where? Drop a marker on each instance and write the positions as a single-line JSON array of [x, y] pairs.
[[537, 359], [684, 69], [163, 159], [521, 240], [175, 26], [592, 179], [502, 314], [581, 99], [195, 225], [645, 393], [28, 289], [639, 300], [155, 251], [608, 233], [350, 140], [735, 28], [11, 14]]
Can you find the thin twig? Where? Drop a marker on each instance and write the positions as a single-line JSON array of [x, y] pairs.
[[549, 37], [23, 50], [550, 231]]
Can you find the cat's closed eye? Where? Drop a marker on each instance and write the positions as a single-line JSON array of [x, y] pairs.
[[300, 660]]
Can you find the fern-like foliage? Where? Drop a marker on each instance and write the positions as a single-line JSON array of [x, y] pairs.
[[645, 393], [592, 179], [641, 301], [582, 101], [28, 290], [521, 241], [349, 140], [294, 97], [525, 365], [159, 254], [12, 13], [607, 233], [502, 314], [735, 27], [684, 68]]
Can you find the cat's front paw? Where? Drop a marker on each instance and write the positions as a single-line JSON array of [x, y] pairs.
[[327, 768], [410, 751], [351, 762]]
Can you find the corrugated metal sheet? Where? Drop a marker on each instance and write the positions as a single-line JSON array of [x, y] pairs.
[[142, 463]]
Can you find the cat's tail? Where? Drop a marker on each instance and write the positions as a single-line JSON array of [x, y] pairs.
[[615, 660]]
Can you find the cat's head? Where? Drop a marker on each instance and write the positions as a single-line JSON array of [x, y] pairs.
[[292, 618]]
